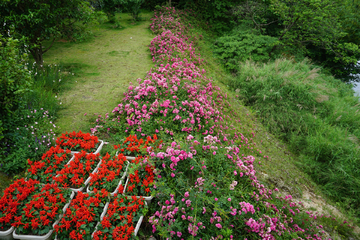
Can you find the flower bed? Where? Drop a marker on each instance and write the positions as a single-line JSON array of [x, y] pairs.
[[79, 141], [41, 211], [13, 200], [109, 175], [122, 219], [51, 162], [81, 217], [76, 174]]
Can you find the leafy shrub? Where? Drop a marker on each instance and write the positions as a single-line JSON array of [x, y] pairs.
[[14, 77], [242, 45]]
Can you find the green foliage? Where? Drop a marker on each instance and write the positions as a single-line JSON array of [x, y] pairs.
[[37, 21], [14, 76], [216, 13], [110, 7], [241, 45], [311, 27], [133, 7], [316, 114]]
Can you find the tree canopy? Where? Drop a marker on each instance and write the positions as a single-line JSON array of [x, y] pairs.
[[36, 21]]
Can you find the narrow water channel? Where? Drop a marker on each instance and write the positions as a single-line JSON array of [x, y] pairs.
[[356, 88]]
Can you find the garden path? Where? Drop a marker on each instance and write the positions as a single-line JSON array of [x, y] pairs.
[[104, 66]]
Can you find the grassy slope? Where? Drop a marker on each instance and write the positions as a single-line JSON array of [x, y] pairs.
[[279, 170], [104, 66]]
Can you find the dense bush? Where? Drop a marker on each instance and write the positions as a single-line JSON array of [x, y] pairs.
[[316, 114], [241, 45], [14, 77]]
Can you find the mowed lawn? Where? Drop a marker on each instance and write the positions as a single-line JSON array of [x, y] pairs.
[[103, 67]]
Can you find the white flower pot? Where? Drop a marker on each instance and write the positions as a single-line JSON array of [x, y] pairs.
[[48, 235], [127, 157], [7, 234]]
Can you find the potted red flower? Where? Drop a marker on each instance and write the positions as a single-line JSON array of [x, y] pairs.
[[80, 218], [78, 141], [12, 202], [132, 146], [122, 219], [140, 178], [51, 162], [41, 212], [76, 174], [110, 175]]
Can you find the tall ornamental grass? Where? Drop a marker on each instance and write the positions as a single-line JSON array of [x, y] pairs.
[[316, 114]]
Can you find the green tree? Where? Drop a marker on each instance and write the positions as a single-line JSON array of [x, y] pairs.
[[37, 21], [216, 12], [110, 7], [315, 22], [327, 31], [133, 7]]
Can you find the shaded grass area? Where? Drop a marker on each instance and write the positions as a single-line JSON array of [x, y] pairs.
[[103, 67]]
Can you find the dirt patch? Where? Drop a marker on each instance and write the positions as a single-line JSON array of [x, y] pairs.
[[63, 40]]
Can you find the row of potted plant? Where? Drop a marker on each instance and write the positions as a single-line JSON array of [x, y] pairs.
[[107, 177], [55, 159], [29, 209], [48, 207], [122, 218], [79, 141], [83, 214], [76, 174]]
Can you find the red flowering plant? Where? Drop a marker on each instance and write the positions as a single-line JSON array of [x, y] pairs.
[[77, 141], [122, 215], [51, 162], [132, 146], [42, 210], [81, 217], [109, 174], [75, 174], [140, 177], [13, 200]]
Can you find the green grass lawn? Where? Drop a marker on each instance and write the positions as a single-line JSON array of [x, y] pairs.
[[103, 67]]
